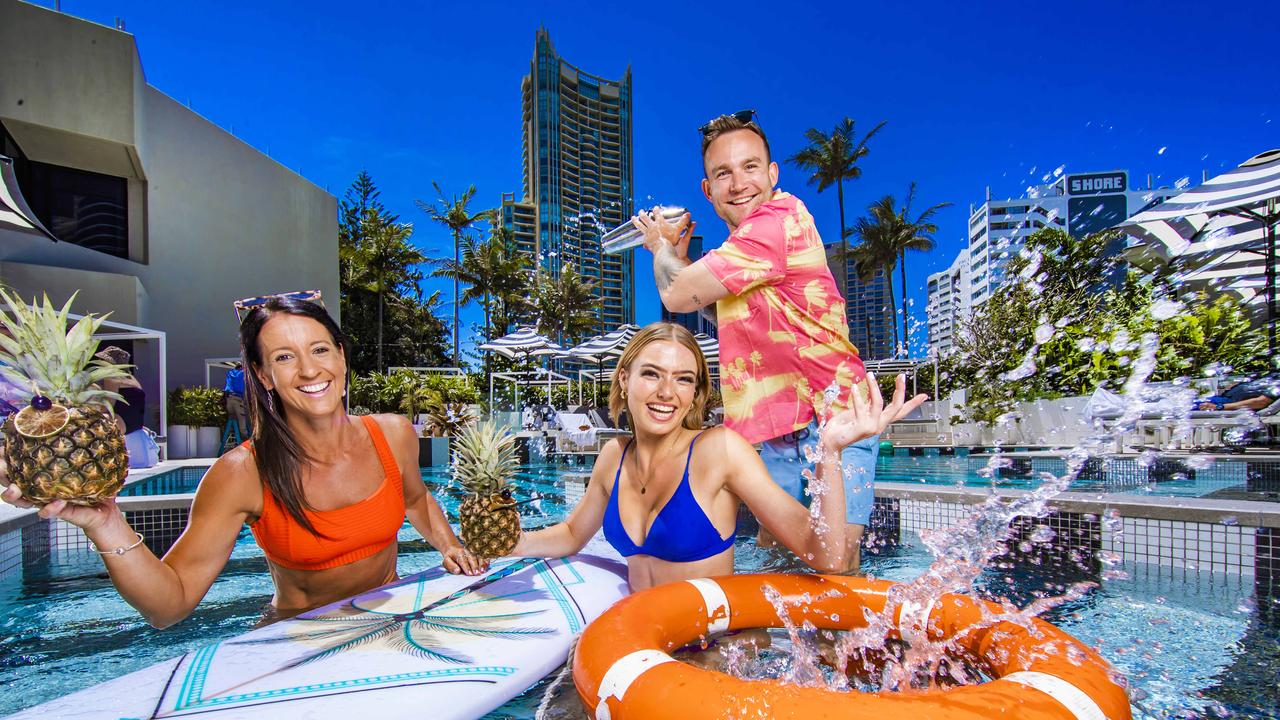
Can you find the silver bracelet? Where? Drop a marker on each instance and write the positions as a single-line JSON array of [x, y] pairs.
[[122, 549]]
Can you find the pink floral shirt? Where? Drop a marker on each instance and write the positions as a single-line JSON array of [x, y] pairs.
[[784, 337]]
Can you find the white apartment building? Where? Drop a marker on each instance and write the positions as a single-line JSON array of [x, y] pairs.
[[948, 304], [1080, 203]]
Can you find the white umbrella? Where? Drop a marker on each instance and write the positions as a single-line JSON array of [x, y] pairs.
[[1223, 229]]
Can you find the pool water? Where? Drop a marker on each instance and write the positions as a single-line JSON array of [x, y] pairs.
[[1195, 646]]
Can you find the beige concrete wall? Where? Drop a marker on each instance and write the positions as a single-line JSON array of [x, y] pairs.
[[226, 222], [221, 220], [93, 290], [67, 74]]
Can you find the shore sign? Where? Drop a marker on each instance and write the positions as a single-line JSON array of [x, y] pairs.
[[1097, 183]]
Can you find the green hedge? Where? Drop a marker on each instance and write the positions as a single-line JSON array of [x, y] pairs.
[[197, 406]]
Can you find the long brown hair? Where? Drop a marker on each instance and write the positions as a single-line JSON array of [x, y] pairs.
[[658, 332], [276, 451]]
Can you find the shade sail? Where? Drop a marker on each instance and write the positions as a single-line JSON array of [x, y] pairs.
[[15, 214]]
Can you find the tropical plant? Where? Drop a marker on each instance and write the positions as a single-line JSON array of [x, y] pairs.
[[454, 214], [484, 463], [566, 305], [378, 277], [1070, 321], [408, 392], [447, 419], [65, 444]]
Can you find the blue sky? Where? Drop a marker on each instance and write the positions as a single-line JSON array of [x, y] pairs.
[[975, 94]]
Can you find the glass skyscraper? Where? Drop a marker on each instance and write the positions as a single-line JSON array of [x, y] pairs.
[[577, 176], [867, 307]]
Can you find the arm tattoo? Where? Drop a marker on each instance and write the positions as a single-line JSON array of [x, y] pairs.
[[666, 265]]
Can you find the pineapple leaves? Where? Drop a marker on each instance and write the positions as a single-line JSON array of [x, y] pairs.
[[42, 353]]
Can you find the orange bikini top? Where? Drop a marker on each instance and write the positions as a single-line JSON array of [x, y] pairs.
[[353, 532]]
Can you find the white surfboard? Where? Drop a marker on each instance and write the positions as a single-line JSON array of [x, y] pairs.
[[432, 645]]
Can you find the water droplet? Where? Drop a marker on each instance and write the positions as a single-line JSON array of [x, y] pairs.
[[1165, 309], [1161, 150]]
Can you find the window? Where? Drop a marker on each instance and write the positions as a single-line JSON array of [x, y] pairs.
[[80, 207]]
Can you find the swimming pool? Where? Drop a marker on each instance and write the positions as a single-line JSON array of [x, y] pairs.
[[1201, 643]]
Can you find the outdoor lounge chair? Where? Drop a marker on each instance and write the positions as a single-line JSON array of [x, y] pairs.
[[579, 434]]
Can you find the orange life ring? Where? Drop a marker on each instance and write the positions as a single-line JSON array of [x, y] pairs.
[[622, 669]]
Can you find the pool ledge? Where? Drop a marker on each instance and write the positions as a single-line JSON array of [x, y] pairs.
[[1249, 513], [12, 518]]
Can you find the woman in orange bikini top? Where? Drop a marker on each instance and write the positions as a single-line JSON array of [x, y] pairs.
[[324, 493]]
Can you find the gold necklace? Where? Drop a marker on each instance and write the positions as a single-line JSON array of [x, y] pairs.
[[645, 484]]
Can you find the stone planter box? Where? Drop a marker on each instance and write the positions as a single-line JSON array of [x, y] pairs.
[[208, 442], [181, 442], [433, 451]]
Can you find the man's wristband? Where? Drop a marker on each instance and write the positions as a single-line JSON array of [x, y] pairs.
[[122, 549]]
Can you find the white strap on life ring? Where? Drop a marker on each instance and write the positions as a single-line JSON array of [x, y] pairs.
[[1072, 698], [624, 671], [913, 622], [716, 601]]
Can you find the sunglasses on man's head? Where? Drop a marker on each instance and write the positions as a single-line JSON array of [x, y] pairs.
[[245, 305], [742, 116]]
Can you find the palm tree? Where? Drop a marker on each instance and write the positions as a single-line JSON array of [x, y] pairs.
[[510, 278], [382, 263], [454, 214], [494, 274], [567, 306], [887, 234], [878, 251], [832, 159], [917, 235]]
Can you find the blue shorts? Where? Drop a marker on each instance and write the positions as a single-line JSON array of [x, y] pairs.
[[785, 459]]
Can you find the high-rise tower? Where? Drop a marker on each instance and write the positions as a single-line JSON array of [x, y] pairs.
[[577, 176]]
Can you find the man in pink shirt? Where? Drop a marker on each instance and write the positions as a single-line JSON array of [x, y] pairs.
[[786, 360]]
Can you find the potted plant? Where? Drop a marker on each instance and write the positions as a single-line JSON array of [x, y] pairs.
[[210, 417], [443, 421], [183, 421]]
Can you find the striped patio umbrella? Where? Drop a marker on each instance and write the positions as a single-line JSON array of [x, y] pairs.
[[1220, 235], [524, 343], [600, 347], [15, 214], [710, 347], [611, 344]]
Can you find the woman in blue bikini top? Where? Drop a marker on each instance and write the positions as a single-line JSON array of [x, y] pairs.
[[668, 498]]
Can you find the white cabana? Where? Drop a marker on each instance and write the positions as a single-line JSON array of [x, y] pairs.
[[524, 344], [112, 330]]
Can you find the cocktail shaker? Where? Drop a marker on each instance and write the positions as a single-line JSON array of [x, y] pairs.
[[626, 236]]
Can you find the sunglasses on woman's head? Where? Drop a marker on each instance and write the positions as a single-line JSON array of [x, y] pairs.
[[245, 305], [742, 116]]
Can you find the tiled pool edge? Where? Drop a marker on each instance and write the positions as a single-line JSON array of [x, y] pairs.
[[1240, 539]]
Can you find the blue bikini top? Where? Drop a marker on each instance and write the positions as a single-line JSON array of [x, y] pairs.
[[681, 532]]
